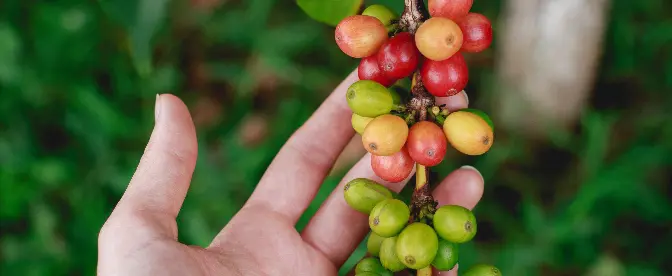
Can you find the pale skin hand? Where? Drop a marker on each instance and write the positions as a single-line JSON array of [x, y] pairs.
[[140, 236]]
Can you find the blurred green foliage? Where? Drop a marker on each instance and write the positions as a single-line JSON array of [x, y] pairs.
[[77, 86]]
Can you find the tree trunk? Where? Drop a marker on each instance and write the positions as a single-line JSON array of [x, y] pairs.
[[549, 52]]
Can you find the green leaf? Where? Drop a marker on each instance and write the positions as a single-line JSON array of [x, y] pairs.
[[329, 11]]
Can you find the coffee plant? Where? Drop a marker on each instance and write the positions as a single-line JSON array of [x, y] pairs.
[[406, 62]]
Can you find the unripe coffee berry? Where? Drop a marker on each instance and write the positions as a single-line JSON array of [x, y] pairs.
[[468, 132], [373, 244], [455, 223], [382, 13], [370, 264], [447, 255], [385, 135], [359, 123], [389, 217], [369, 99], [438, 38], [417, 245], [388, 255], [360, 36], [363, 194]]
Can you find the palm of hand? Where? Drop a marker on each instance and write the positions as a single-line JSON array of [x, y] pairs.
[[140, 237]]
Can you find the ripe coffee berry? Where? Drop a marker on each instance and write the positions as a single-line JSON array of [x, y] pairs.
[[452, 9], [394, 168], [476, 31], [370, 70], [360, 36], [438, 38], [398, 57], [447, 77], [426, 143]]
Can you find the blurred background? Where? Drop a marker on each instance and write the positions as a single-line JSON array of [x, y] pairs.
[[577, 182]]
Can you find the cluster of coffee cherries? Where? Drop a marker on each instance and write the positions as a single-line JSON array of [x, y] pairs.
[[399, 139]]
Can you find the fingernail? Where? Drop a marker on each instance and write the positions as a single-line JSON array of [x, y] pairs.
[[157, 108], [466, 97], [472, 168]]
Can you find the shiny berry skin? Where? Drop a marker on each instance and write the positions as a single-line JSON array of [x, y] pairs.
[[394, 168], [447, 77], [399, 57], [385, 135], [438, 38], [476, 32], [452, 9], [360, 36], [369, 70], [426, 143]]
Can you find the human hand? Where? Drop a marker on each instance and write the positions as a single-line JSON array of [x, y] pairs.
[[140, 236]]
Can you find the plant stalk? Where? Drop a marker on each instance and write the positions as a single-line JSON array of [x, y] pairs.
[[411, 19]]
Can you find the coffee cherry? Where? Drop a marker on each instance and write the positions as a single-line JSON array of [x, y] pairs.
[[382, 13], [417, 245], [446, 256], [367, 274], [468, 133], [476, 32], [369, 99], [396, 167], [438, 38], [363, 194], [359, 123], [370, 264], [369, 70], [388, 255], [481, 114], [360, 36], [455, 223], [385, 135], [452, 9], [389, 217], [398, 57], [447, 77], [426, 143], [373, 244], [482, 270]]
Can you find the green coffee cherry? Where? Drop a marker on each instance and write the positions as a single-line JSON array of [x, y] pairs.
[[481, 114], [446, 256], [388, 255], [389, 217], [359, 123], [482, 270], [373, 244], [368, 98], [455, 223], [363, 194], [398, 94], [417, 245], [370, 264], [383, 13], [367, 274]]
